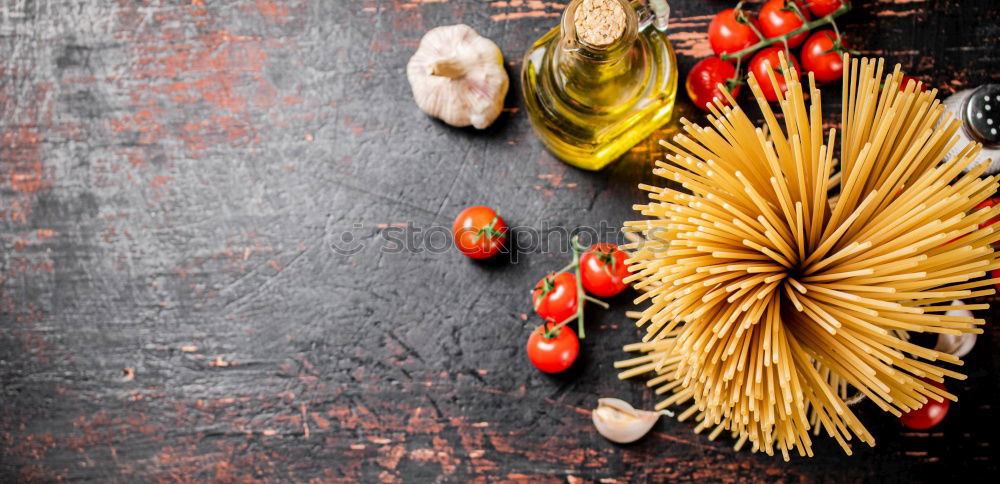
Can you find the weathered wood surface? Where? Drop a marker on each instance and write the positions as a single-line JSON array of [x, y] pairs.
[[175, 175]]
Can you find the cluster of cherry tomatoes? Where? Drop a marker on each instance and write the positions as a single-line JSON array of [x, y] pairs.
[[779, 26], [558, 298]]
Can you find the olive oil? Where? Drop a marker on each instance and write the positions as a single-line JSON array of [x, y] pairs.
[[590, 103]]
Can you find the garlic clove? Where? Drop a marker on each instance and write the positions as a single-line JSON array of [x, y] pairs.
[[619, 422], [956, 344]]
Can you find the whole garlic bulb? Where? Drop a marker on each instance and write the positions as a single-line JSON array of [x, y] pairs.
[[458, 76]]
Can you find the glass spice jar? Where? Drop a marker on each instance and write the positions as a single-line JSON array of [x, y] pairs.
[[601, 81]]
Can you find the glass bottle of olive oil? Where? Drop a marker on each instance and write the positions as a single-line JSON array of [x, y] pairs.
[[601, 81]]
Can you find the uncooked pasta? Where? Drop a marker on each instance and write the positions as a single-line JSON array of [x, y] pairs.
[[771, 303]]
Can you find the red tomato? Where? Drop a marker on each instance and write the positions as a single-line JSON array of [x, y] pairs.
[[553, 354], [778, 17], [704, 78], [995, 273], [906, 80], [770, 54], [555, 297], [602, 269], [984, 204], [927, 416], [821, 58], [989, 203], [479, 232], [820, 8], [730, 33]]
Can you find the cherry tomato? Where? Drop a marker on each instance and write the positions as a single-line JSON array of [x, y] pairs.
[[770, 54], [479, 232], [927, 416], [778, 17], [820, 8], [906, 80], [820, 56], [602, 269], [730, 31], [989, 203], [553, 354], [704, 78], [555, 297]]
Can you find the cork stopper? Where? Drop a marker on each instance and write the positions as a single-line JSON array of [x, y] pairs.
[[599, 22]]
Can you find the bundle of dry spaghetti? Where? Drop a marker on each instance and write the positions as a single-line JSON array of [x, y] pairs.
[[770, 301]]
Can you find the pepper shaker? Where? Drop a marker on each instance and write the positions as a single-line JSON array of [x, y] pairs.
[[979, 110]]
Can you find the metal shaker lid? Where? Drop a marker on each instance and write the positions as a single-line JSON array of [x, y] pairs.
[[982, 114]]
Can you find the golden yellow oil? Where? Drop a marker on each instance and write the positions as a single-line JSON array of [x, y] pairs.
[[590, 106]]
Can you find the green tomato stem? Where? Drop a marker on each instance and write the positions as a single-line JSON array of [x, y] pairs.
[[564, 269], [581, 295], [597, 302], [554, 331]]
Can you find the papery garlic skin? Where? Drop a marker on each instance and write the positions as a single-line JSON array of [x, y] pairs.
[[458, 76], [956, 344], [619, 422]]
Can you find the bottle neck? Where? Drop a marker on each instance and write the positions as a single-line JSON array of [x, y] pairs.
[[597, 75], [574, 26]]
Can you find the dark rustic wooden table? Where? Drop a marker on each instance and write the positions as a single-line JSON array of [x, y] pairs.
[[180, 301]]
